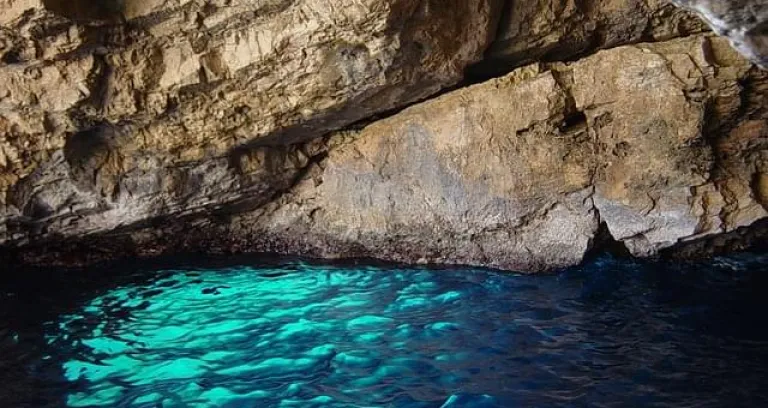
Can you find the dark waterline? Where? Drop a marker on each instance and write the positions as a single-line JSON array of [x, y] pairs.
[[273, 333]]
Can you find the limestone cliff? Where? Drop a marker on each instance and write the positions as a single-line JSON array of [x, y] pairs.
[[145, 127]]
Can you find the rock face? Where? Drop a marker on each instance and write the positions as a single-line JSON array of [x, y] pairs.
[[106, 124], [491, 175], [561, 30], [146, 127], [661, 142], [745, 22]]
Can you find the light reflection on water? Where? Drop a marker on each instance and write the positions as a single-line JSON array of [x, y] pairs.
[[613, 332]]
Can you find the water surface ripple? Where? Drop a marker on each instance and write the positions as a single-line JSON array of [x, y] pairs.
[[291, 334]]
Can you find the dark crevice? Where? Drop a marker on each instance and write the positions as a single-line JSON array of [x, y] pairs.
[[574, 121], [12, 57], [604, 242], [752, 238], [87, 11]]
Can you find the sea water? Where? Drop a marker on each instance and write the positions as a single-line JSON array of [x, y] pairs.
[[288, 333]]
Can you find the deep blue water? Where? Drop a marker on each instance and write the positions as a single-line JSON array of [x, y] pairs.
[[285, 333]]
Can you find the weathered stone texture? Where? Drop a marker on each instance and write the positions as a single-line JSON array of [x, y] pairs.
[[561, 30], [744, 22], [154, 126], [484, 175], [145, 108], [658, 141]]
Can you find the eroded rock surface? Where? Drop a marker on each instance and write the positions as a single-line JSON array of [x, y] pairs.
[[119, 112], [662, 142], [562, 30], [667, 146], [141, 127], [744, 22]]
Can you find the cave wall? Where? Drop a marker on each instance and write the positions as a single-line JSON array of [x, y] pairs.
[[661, 142], [497, 133], [180, 106]]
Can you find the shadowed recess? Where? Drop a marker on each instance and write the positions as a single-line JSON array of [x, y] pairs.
[[87, 10]]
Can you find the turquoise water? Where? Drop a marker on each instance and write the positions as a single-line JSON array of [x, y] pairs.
[[286, 333]]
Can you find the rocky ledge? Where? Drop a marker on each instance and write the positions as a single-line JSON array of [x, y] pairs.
[[150, 126]]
